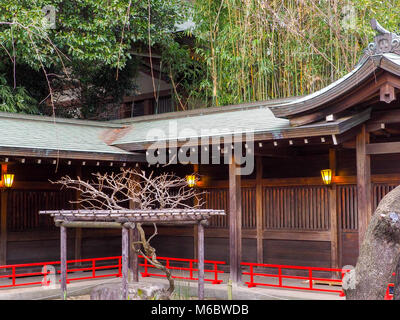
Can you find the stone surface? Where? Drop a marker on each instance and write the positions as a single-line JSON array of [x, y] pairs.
[[136, 291]]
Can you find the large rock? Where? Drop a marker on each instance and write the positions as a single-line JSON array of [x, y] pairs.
[[136, 291]]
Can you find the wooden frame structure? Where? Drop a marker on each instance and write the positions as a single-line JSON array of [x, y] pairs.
[[126, 220]]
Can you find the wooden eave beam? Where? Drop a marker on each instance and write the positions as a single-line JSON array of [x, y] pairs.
[[366, 92], [320, 130], [383, 148], [43, 153], [343, 88]]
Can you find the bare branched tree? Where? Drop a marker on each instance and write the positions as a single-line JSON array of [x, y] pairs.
[[144, 191], [114, 191]]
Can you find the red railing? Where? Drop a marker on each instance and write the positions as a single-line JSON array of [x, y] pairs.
[[281, 277], [190, 268], [388, 294], [94, 265], [113, 267]]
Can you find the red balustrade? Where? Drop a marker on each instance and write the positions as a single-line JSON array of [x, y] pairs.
[[111, 267], [215, 271], [281, 277], [93, 267]]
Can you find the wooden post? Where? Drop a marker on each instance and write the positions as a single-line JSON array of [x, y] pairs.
[[335, 256], [200, 251], [195, 230], [235, 223], [3, 228], [63, 252], [363, 183], [125, 255], [259, 211], [78, 231], [133, 257], [334, 227]]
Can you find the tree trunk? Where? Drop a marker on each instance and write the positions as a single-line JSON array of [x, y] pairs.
[[379, 253]]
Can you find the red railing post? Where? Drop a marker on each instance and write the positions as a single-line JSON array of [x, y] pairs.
[[310, 277], [145, 273], [94, 268], [342, 294], [251, 283], [280, 276], [119, 267], [191, 269], [216, 281], [13, 276]]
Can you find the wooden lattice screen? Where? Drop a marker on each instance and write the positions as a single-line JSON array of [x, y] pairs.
[[301, 208], [23, 207]]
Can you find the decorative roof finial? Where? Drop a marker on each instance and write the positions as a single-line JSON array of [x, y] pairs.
[[377, 27], [384, 42]]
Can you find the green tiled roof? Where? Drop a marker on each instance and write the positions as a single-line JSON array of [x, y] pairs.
[[114, 138], [194, 126], [45, 133]]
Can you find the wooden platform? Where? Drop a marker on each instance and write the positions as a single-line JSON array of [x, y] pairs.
[[327, 282]]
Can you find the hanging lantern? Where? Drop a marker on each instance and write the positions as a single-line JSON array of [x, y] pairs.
[[326, 176], [8, 179], [191, 180]]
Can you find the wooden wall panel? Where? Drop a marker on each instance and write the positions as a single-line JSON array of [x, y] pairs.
[[248, 208], [349, 244], [379, 190], [24, 205], [300, 208], [298, 253], [347, 207], [37, 251], [217, 199]]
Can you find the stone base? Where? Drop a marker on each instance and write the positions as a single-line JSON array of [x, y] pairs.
[[136, 291]]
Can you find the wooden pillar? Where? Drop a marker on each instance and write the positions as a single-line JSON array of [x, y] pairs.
[[333, 214], [334, 227], [259, 211], [78, 231], [125, 255], [200, 244], [235, 223], [63, 259], [363, 183], [3, 228], [195, 229], [133, 257]]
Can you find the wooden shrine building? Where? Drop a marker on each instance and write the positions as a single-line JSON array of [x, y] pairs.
[[282, 212]]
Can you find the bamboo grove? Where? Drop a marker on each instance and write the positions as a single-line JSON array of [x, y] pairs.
[[256, 50]]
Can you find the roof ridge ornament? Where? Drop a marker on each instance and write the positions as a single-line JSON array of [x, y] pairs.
[[384, 42]]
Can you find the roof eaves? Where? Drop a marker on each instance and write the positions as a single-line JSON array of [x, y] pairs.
[[327, 94]]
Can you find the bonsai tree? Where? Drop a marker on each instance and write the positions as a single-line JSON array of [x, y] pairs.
[[136, 189]]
